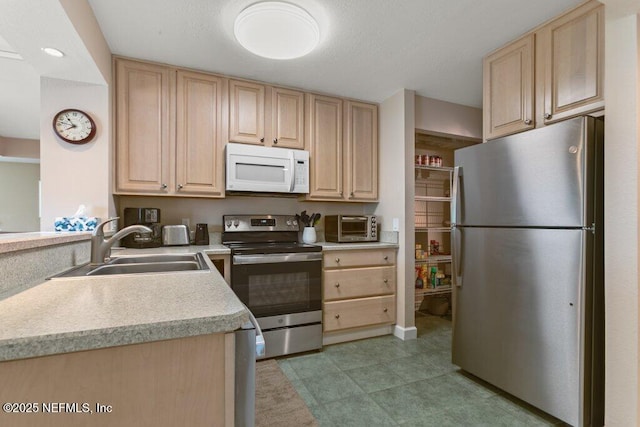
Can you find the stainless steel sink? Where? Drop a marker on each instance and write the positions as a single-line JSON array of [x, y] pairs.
[[145, 259], [140, 264]]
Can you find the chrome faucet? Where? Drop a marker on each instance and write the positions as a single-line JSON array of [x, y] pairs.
[[101, 247]]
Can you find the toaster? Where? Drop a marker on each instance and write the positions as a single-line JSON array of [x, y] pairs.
[[175, 235]]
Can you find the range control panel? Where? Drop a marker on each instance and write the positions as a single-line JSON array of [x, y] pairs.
[[233, 223]]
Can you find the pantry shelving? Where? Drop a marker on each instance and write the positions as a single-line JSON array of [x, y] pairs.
[[433, 167]]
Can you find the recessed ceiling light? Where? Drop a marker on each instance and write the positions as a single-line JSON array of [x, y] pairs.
[[276, 30], [53, 52]]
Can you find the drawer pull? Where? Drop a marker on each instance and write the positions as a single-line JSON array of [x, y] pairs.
[[338, 260], [385, 310], [337, 285], [337, 316], [386, 257], [386, 281]]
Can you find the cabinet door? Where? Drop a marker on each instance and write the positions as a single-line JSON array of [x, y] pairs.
[[324, 142], [361, 141], [287, 118], [246, 112], [144, 100], [199, 134], [572, 57], [508, 89]]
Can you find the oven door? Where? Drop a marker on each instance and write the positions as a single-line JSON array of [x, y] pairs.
[[276, 284]]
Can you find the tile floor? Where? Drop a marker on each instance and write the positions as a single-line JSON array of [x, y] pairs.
[[385, 381]]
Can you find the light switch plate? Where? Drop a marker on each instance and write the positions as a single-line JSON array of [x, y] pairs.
[[395, 224]]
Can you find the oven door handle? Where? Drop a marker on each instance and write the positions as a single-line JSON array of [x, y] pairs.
[[260, 347], [276, 258]]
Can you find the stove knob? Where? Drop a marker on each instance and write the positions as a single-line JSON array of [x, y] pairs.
[[295, 222], [228, 224], [236, 223], [289, 222]]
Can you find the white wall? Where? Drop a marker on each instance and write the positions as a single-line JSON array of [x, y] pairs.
[[19, 196], [441, 117], [74, 174], [397, 187], [622, 372]]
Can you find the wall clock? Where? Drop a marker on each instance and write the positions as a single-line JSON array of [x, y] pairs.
[[74, 126]]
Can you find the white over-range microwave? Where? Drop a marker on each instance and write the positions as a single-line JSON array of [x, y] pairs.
[[254, 168]]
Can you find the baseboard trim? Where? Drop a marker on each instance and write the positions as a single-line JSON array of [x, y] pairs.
[[410, 333]]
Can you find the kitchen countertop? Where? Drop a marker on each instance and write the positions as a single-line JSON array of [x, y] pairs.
[[84, 313], [10, 242]]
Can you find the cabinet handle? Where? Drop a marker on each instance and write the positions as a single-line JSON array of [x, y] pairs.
[[179, 186], [275, 141], [262, 139], [351, 194], [386, 258], [386, 281], [337, 316], [337, 260], [337, 285], [385, 310], [527, 122], [164, 186], [547, 116]]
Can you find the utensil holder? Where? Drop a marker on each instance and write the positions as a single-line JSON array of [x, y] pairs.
[[309, 235]]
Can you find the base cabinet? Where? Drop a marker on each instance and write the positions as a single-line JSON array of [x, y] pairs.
[[187, 381], [359, 289]]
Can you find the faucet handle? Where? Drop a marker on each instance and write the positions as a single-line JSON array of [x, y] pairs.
[[99, 231]]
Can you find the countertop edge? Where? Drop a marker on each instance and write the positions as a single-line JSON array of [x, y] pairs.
[[13, 242], [46, 345]]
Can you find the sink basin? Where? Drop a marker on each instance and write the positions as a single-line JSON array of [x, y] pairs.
[[152, 267], [140, 264], [145, 259]]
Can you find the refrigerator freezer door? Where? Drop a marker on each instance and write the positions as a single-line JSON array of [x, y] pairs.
[[535, 178], [518, 316]]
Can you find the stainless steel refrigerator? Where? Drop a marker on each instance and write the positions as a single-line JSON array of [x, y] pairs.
[[527, 243]]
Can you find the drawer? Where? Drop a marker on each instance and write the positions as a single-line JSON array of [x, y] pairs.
[[359, 258], [359, 312], [358, 282]]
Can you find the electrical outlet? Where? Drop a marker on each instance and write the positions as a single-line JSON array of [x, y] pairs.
[[395, 224], [185, 221]]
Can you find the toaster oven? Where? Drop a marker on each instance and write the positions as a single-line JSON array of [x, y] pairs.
[[350, 228]]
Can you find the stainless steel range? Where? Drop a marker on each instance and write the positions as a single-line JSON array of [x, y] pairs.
[[278, 279]]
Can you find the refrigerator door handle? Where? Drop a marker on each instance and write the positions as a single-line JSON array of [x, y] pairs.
[[454, 196], [455, 246]]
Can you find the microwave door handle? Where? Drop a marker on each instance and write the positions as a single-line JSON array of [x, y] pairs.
[[292, 174], [354, 218]]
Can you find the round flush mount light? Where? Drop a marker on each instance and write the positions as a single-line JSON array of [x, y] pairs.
[[52, 51], [276, 30]]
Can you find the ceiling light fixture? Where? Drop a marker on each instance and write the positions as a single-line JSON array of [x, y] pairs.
[[53, 52], [276, 30]]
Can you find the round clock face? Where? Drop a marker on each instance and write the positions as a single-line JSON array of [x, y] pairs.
[[74, 126]]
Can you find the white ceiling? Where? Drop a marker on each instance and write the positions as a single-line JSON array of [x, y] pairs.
[[369, 49]]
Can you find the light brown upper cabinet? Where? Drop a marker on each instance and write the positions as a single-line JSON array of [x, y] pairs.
[[571, 64], [170, 130], [265, 115], [145, 98], [342, 139], [200, 133], [508, 89], [563, 59], [324, 142], [361, 143]]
